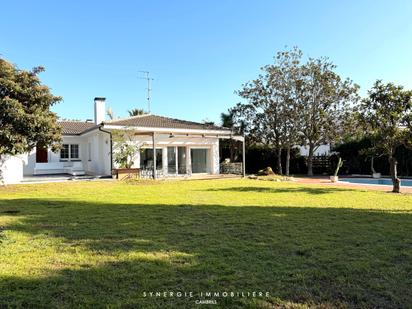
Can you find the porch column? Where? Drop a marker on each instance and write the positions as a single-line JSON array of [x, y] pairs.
[[176, 160], [154, 154], [243, 157], [164, 161], [214, 157]]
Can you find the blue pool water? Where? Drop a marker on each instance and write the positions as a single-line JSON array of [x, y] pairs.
[[380, 181]]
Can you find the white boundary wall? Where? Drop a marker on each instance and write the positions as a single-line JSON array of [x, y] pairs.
[[12, 169]]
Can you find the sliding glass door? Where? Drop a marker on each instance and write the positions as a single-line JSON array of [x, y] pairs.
[[176, 160], [181, 160], [171, 160], [199, 159], [146, 159]]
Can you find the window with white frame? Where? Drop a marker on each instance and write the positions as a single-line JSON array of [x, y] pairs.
[[74, 151], [64, 152], [69, 152]]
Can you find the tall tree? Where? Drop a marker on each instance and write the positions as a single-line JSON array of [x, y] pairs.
[[228, 120], [285, 79], [387, 116], [325, 104], [295, 103], [273, 98], [25, 117], [136, 112], [261, 113]]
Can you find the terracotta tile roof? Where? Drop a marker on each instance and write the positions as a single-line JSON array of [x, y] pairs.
[[153, 121], [75, 127]]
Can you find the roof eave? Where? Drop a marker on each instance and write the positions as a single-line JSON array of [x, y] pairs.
[[168, 130], [83, 132]]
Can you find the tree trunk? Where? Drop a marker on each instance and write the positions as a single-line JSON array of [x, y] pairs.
[[287, 164], [394, 175], [310, 159], [279, 163], [372, 165]]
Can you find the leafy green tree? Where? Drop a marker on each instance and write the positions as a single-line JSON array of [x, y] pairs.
[[25, 117], [124, 148], [326, 103], [387, 116], [295, 103], [272, 112], [285, 79], [261, 114], [136, 112]]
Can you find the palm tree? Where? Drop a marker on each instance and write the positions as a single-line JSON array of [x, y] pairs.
[[109, 113], [227, 119], [136, 112], [208, 122]]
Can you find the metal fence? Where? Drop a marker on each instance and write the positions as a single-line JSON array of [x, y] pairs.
[[147, 173], [231, 168]]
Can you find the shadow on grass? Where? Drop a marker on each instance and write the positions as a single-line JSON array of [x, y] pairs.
[[308, 190], [315, 256]]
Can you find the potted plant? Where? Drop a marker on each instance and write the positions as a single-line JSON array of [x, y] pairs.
[[124, 153], [335, 177]]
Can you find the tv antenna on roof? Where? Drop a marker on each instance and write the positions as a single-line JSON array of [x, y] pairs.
[[149, 88]]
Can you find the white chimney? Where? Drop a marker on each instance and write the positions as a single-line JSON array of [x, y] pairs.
[[99, 110]]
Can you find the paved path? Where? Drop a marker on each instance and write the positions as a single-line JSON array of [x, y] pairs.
[[325, 181]]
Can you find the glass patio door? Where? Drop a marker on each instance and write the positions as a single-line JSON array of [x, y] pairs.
[[176, 160], [146, 159], [171, 160], [199, 160], [181, 160]]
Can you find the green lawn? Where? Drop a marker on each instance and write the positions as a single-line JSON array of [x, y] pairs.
[[97, 244]]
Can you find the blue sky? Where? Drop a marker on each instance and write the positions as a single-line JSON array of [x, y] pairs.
[[198, 52]]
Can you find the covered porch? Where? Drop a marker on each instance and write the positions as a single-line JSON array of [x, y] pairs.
[[179, 154]]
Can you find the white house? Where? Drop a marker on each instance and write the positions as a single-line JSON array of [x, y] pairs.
[[171, 147]]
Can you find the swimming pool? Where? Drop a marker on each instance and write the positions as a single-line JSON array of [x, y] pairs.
[[380, 181]]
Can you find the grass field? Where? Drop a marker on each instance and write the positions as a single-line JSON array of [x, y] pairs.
[[103, 244]]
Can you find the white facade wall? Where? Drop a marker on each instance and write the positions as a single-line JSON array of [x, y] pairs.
[[94, 152], [52, 157], [91, 160], [12, 169], [29, 162], [95, 157]]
